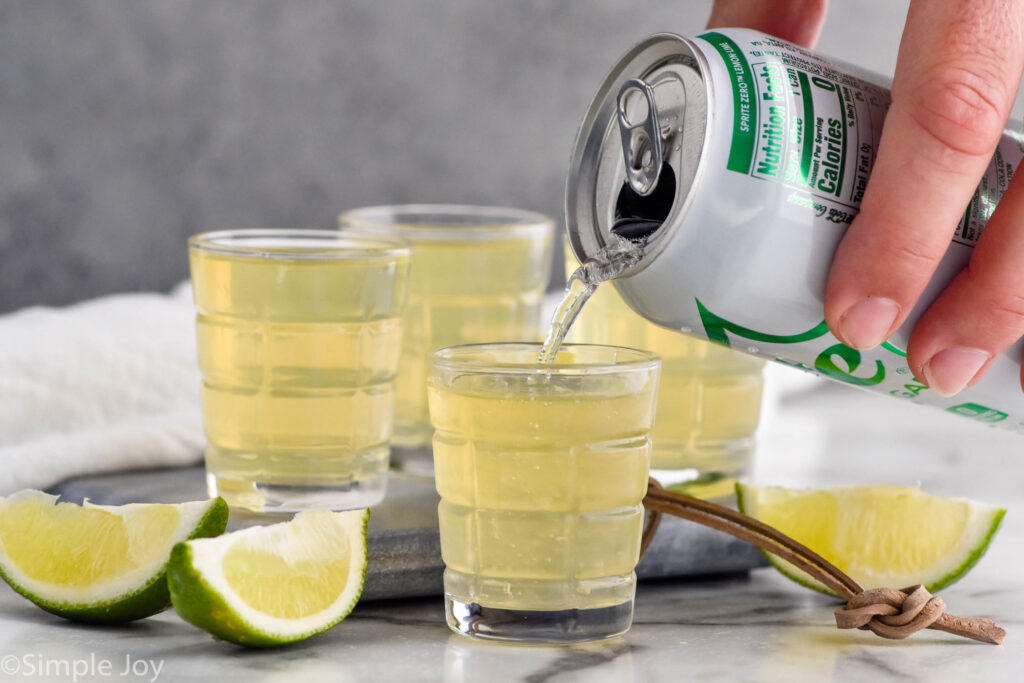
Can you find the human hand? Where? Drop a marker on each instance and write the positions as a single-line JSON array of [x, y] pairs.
[[958, 70]]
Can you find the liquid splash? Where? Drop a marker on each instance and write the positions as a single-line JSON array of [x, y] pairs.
[[617, 258]]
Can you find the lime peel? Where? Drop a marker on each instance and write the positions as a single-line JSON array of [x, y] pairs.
[[202, 592], [138, 590], [961, 529]]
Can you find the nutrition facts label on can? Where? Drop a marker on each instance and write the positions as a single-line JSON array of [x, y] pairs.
[[801, 122], [990, 190], [773, 157]]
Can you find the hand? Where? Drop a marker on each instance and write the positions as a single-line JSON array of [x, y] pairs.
[[957, 73], [798, 21]]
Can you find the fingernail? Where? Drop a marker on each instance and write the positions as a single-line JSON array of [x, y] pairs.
[[866, 324], [950, 370]]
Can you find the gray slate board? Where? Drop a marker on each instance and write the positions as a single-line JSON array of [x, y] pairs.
[[404, 546]]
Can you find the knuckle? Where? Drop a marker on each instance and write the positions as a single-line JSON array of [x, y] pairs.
[[962, 107], [1010, 311], [892, 254], [915, 259], [1006, 311], [1003, 304]]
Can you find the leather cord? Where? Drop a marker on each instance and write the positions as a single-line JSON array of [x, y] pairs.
[[886, 612]]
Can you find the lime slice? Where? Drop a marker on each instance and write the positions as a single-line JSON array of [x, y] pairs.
[[95, 562], [270, 585], [882, 536]]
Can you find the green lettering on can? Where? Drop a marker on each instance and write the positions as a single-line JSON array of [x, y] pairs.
[[892, 348], [716, 327], [976, 411], [744, 110], [827, 366], [808, 151]]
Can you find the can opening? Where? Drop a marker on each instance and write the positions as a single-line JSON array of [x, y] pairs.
[[607, 198], [638, 216]]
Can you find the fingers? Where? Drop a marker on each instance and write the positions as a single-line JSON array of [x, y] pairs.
[[956, 77], [798, 21], [981, 312]]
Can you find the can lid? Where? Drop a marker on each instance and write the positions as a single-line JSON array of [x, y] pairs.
[[637, 153]]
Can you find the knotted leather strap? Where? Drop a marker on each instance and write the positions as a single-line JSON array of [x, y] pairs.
[[891, 613], [886, 612]]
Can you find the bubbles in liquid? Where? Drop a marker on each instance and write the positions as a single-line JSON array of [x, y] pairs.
[[617, 258]]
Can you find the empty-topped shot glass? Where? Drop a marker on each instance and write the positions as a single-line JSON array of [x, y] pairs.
[[299, 335], [478, 274], [542, 470]]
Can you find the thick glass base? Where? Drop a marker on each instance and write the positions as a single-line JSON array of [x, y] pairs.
[[537, 626], [276, 497]]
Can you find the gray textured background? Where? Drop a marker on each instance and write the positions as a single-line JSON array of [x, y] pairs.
[[127, 125]]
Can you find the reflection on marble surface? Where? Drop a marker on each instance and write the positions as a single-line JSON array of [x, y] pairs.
[[756, 627], [467, 661], [733, 629]]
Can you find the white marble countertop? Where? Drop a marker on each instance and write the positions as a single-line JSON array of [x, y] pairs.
[[756, 627]]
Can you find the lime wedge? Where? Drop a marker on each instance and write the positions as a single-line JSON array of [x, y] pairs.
[[882, 536], [95, 562], [271, 585]]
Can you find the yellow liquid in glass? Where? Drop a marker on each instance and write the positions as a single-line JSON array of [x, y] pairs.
[[465, 292], [541, 491], [298, 358], [709, 399]]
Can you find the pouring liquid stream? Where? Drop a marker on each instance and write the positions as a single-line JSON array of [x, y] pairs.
[[617, 258]]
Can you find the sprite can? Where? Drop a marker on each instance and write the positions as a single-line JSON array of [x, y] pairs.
[[739, 159]]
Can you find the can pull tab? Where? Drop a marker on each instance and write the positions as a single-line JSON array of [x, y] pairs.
[[641, 137]]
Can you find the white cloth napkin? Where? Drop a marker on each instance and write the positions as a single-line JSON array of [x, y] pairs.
[[109, 384]]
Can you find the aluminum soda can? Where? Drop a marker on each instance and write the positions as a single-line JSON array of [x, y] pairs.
[[741, 159]]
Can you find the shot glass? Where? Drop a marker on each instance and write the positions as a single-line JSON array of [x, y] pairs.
[[542, 470], [299, 336], [709, 397], [478, 274]]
